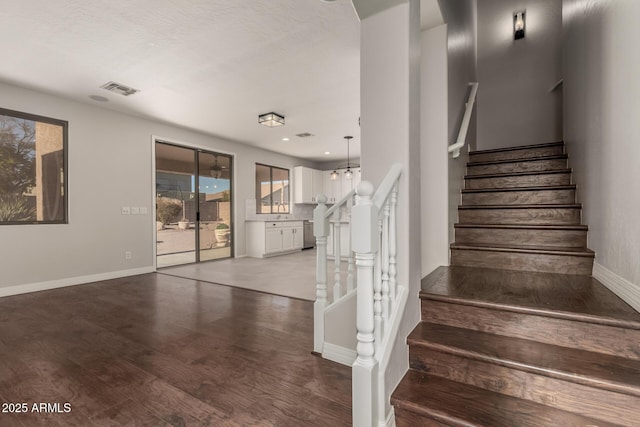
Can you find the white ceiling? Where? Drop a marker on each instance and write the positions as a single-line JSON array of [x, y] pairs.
[[209, 65]]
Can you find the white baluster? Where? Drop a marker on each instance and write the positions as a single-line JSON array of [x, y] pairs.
[[384, 249], [321, 231], [377, 293], [392, 242], [337, 292], [365, 244]]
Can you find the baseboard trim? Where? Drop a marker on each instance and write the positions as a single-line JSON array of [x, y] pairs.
[[344, 356], [391, 419], [620, 286], [71, 281]]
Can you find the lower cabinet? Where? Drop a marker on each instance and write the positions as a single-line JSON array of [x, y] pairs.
[[273, 238]]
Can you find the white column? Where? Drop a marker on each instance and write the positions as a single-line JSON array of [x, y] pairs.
[[337, 255], [320, 231]]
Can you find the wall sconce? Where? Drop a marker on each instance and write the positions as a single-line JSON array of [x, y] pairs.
[[518, 25], [271, 119]]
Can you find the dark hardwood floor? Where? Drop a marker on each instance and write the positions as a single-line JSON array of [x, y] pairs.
[[158, 350]]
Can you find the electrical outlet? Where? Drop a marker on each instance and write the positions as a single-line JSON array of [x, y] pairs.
[[127, 255], [126, 210]]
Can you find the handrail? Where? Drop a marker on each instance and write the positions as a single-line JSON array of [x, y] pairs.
[[386, 186], [464, 126], [338, 205]]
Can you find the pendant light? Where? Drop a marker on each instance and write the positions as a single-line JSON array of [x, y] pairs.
[[216, 170], [348, 174]]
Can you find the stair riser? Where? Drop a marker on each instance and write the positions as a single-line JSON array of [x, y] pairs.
[[529, 166], [544, 263], [555, 216], [527, 153], [519, 181], [563, 332], [546, 197], [614, 407], [507, 236]]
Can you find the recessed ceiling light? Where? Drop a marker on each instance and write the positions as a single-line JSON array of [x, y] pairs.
[[98, 98], [285, 139], [327, 152], [119, 88]]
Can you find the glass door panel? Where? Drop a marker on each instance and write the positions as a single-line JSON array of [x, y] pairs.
[[175, 205], [215, 207]]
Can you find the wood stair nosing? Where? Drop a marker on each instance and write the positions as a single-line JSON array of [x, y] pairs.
[[508, 189], [567, 364], [515, 174], [535, 206], [518, 147], [546, 250], [457, 404], [576, 227], [564, 331], [523, 160], [533, 311]]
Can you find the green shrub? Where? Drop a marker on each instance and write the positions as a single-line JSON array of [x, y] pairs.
[[16, 208], [222, 226], [168, 210]]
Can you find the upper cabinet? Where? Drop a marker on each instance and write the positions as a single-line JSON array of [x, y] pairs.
[[307, 184]]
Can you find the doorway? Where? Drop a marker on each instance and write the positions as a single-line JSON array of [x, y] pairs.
[[194, 208]]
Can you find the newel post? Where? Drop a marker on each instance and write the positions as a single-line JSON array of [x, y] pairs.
[[364, 238], [320, 231]]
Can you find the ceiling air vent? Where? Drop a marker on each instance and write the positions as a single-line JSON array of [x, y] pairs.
[[304, 135], [119, 88]]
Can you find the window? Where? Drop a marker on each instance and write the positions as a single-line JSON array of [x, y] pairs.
[[33, 175], [272, 189]]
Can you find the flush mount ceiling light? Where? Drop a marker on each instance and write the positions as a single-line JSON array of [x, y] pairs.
[[118, 88], [271, 119], [518, 25]]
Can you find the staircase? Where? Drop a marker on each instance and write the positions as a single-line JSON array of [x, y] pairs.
[[516, 332]]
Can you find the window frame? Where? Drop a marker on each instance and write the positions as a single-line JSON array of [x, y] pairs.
[[65, 163], [258, 201]]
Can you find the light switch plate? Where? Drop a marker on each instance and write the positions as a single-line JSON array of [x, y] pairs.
[[135, 211], [126, 210]]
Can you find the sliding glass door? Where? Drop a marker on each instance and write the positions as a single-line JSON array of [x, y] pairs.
[[193, 205]]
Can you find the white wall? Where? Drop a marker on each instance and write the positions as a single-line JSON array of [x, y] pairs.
[[433, 149], [110, 166], [460, 17], [515, 106], [390, 108], [602, 129]]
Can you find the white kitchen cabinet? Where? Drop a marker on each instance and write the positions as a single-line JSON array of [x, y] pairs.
[[267, 238], [332, 189], [307, 184]]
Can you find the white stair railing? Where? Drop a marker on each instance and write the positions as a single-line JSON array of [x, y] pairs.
[[328, 221], [380, 299], [464, 126]]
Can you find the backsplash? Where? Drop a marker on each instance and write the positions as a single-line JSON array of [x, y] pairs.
[[298, 212]]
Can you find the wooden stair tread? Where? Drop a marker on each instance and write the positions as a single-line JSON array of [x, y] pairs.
[[537, 206], [534, 249], [514, 174], [521, 147], [527, 159], [536, 188], [579, 298], [579, 366], [459, 404], [578, 227]]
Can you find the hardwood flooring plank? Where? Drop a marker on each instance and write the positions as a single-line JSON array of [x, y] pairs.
[[160, 350]]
